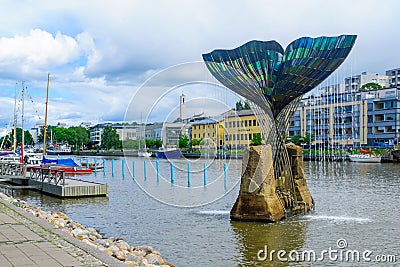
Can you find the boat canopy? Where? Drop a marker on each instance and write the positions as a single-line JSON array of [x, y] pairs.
[[66, 161]]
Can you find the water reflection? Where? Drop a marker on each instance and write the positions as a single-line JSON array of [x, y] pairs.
[[253, 237]]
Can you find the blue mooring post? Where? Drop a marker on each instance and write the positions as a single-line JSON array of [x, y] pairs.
[[104, 166], [94, 165], [133, 168], [123, 168], [158, 171], [112, 167], [188, 174], [80, 161], [172, 173], [205, 173], [145, 169], [225, 173]]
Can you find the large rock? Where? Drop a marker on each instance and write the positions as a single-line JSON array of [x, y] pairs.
[[257, 200], [300, 185]]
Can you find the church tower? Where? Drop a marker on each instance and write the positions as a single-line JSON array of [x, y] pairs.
[[183, 107]]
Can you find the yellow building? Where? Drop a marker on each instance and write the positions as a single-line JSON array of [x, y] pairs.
[[239, 128], [210, 130], [234, 129]]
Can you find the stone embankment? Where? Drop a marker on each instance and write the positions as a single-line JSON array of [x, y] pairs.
[[116, 247]]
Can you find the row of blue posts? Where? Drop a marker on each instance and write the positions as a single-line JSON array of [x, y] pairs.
[[172, 169]]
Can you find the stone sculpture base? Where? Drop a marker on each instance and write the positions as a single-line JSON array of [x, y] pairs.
[[257, 200], [300, 185]]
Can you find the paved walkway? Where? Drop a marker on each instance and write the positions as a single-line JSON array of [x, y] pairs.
[[28, 241]]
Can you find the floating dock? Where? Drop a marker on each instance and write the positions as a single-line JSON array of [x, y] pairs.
[[49, 181]]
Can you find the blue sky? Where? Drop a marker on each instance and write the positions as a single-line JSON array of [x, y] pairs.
[[100, 52]]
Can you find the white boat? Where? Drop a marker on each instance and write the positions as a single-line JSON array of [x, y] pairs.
[[63, 149], [366, 158], [144, 153], [9, 157]]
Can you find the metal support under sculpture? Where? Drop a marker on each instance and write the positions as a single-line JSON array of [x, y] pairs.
[[274, 80]]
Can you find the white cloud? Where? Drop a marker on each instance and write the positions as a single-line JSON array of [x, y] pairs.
[[31, 56]]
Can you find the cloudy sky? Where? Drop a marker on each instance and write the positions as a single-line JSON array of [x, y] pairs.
[[100, 52]]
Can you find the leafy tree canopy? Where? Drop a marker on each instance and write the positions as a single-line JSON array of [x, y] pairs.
[[110, 138], [370, 86], [242, 105], [183, 141], [257, 140]]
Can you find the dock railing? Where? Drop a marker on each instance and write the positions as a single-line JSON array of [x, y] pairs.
[[12, 169], [47, 175]]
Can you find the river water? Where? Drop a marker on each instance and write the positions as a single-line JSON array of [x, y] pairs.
[[357, 211]]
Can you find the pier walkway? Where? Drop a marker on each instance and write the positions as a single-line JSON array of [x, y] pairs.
[[29, 241], [48, 181]]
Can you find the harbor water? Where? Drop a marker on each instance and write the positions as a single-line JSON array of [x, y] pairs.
[[357, 209]]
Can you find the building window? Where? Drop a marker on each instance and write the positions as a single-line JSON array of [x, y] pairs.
[[249, 123], [250, 136], [390, 94], [254, 123], [245, 123]]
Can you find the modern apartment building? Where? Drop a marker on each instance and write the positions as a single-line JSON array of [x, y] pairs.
[[351, 118], [125, 132], [354, 83], [394, 77]]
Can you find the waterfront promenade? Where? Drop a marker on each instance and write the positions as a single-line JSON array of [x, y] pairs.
[[29, 241]]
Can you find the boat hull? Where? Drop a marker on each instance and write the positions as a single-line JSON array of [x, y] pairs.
[[173, 154], [365, 159], [55, 152]]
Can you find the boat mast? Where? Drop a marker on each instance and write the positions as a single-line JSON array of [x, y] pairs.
[[22, 124], [45, 116], [15, 118]]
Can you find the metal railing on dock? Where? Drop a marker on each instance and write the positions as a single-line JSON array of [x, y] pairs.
[[47, 175], [12, 170]]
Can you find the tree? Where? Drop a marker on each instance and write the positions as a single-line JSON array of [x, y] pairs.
[[153, 143], [246, 105], [28, 139], [195, 142], [297, 139], [109, 138], [7, 141], [242, 106], [370, 86], [82, 135], [132, 144], [183, 141], [256, 141], [309, 138]]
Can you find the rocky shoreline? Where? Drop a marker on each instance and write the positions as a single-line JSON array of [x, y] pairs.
[[115, 247]]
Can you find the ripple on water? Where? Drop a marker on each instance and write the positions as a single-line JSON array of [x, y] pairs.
[[337, 218]]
